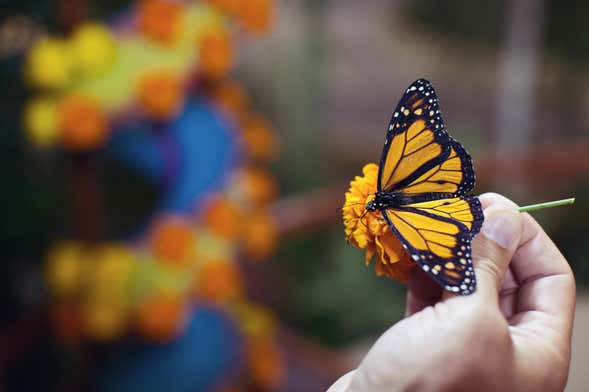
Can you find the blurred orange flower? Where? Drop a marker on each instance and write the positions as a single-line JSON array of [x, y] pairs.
[[265, 363], [232, 97], [219, 281], [82, 123], [260, 235], [160, 318], [160, 94], [172, 240], [256, 16], [253, 185], [216, 53], [161, 20], [369, 231], [222, 217], [259, 140]]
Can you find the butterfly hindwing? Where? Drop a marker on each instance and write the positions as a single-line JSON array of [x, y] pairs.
[[437, 236]]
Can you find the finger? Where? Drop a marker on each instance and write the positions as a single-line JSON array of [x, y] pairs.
[[546, 281], [495, 245], [508, 294], [342, 383], [422, 292]]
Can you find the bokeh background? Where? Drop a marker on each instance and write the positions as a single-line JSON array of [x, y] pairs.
[[172, 174]]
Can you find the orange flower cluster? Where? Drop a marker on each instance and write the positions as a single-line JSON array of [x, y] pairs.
[[216, 53], [369, 231], [101, 292], [160, 94], [161, 20], [82, 123]]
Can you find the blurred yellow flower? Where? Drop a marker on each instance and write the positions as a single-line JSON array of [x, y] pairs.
[[161, 20], [259, 139], [367, 230], [255, 320], [104, 320], [49, 64], [219, 281], [216, 53], [40, 122], [93, 49], [160, 94], [114, 265], [172, 240], [66, 269], [82, 123]]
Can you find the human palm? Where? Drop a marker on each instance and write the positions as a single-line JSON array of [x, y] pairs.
[[513, 333]]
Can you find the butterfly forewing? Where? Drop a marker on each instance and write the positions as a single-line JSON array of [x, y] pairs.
[[419, 156]]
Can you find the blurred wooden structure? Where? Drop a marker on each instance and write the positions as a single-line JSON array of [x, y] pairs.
[[549, 167]]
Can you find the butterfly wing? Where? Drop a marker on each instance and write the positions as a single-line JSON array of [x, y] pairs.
[[419, 157], [437, 235]]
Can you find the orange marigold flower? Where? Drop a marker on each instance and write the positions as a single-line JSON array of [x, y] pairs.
[[265, 363], [219, 281], [172, 240], [222, 217], [253, 186], [160, 318], [160, 94], [259, 140], [256, 16], [367, 230], [82, 123], [216, 53], [260, 235], [232, 97], [161, 20]]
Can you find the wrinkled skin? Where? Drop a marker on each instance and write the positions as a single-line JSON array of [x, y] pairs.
[[512, 334]]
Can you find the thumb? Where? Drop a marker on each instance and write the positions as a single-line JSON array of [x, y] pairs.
[[495, 245]]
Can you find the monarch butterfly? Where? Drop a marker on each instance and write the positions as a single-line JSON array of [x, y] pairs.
[[424, 178]]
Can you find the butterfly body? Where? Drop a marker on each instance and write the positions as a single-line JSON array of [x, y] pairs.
[[386, 200], [423, 183]]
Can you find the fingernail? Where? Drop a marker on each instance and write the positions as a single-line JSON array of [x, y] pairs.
[[503, 227]]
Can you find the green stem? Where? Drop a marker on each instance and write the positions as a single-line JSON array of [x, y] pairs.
[[534, 207]]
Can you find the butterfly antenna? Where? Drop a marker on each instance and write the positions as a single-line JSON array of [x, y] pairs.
[[362, 219], [349, 205]]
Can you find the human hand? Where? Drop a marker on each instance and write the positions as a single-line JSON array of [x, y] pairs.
[[512, 334]]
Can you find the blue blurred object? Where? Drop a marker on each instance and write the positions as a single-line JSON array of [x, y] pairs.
[[207, 353], [189, 156]]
